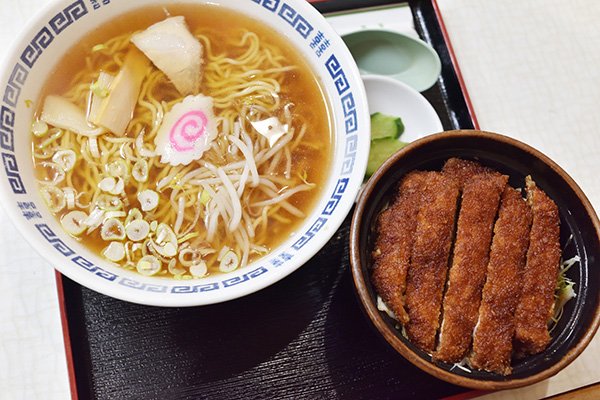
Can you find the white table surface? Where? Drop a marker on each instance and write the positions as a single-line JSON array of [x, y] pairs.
[[532, 70], [32, 353]]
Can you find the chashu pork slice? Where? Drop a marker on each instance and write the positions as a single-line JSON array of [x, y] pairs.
[[175, 51]]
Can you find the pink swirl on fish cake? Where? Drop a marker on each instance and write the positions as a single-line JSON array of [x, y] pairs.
[[187, 130]]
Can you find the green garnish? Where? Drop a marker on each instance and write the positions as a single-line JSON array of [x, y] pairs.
[[99, 90], [39, 128], [564, 290], [385, 126], [381, 150], [385, 131], [204, 197]]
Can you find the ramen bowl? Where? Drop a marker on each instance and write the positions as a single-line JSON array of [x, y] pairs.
[[580, 236], [32, 60]]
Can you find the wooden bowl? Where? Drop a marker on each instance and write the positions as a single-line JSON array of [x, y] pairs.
[[581, 315]]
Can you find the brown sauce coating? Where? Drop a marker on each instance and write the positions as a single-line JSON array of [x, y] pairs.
[[492, 339], [479, 206], [481, 288], [391, 257], [463, 170], [429, 260], [540, 275]]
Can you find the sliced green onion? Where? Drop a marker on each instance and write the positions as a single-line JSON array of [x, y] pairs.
[[65, 159], [137, 247], [174, 269], [39, 128], [94, 220], [115, 251], [112, 229], [199, 269], [119, 187], [166, 241], [187, 257], [164, 234], [148, 265], [118, 169], [70, 196], [148, 199], [229, 262], [112, 185], [137, 230], [108, 202], [114, 214], [72, 222], [140, 170], [53, 197], [99, 90], [168, 250], [94, 150], [107, 184], [224, 250], [133, 215]]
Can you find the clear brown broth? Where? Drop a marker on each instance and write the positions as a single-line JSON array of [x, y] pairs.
[[300, 87]]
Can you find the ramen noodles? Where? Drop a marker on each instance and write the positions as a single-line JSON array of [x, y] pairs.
[[181, 141]]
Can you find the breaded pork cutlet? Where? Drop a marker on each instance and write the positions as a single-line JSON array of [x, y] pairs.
[[463, 170], [540, 275], [493, 334], [479, 206], [395, 231], [429, 258]]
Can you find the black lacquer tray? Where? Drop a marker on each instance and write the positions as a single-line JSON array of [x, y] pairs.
[[304, 337]]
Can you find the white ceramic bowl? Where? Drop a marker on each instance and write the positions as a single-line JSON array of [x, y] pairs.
[[59, 26], [392, 97]]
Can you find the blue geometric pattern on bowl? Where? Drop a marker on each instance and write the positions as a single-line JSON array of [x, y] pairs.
[[78, 9]]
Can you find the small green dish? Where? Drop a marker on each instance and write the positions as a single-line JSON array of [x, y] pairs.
[[396, 55]]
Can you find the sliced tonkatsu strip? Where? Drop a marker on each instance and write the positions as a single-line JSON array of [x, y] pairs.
[[463, 170], [540, 275], [429, 258], [493, 335], [478, 210], [395, 231]]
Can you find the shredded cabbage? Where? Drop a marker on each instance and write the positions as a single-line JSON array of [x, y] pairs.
[[564, 290]]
